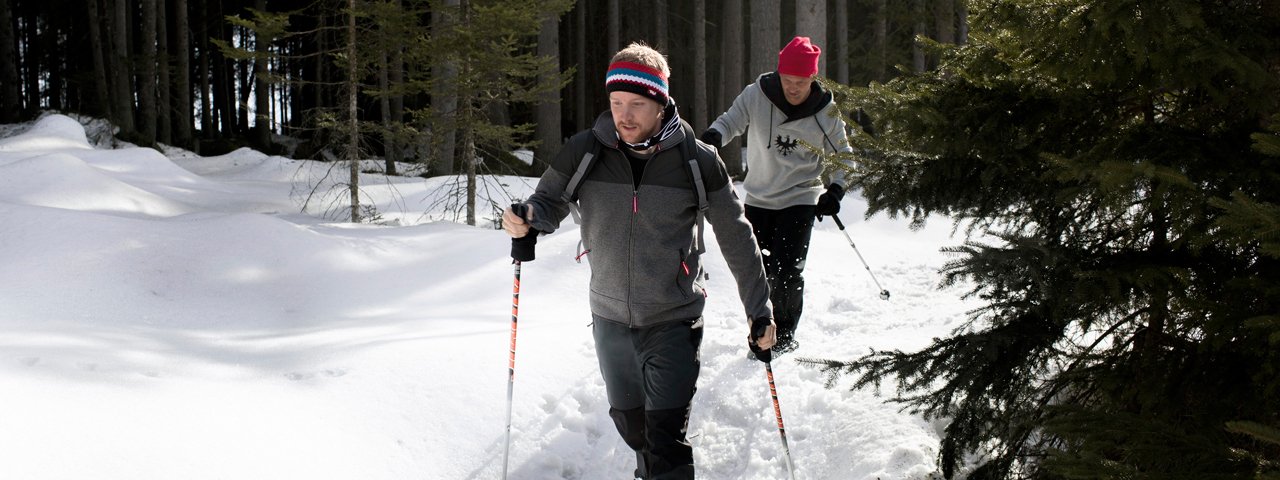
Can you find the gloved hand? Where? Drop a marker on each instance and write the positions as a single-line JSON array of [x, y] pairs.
[[829, 202], [522, 248], [711, 137], [763, 336]]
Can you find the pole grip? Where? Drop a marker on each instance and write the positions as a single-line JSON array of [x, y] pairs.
[[838, 222], [522, 249]]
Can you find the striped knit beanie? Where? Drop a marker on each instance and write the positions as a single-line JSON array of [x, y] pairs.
[[639, 79]]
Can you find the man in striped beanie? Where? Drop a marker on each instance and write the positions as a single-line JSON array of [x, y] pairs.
[[639, 203]]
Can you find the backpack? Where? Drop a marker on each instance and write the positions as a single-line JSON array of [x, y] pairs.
[[688, 150]]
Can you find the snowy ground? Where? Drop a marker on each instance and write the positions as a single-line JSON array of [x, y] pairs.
[[166, 317]]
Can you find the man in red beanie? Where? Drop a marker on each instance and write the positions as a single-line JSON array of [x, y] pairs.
[[785, 187]]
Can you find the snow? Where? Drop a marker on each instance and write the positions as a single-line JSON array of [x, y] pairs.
[[177, 316]]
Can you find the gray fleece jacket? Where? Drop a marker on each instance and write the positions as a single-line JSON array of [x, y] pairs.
[[782, 173], [644, 267]]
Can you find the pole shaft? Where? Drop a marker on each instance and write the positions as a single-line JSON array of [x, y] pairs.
[[511, 362], [777, 412]]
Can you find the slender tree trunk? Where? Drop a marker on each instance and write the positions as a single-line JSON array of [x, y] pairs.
[[208, 113], [444, 99], [395, 77], [841, 43], [466, 118], [547, 127], [182, 77], [262, 88], [918, 30], [811, 21], [944, 20], [765, 25], [353, 129], [123, 94], [164, 107], [615, 26], [731, 77], [241, 71], [583, 91], [30, 65], [223, 76], [10, 97], [384, 104], [699, 119], [660, 34], [962, 32], [146, 74], [100, 105]]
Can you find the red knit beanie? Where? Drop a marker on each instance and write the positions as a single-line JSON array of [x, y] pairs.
[[799, 58]]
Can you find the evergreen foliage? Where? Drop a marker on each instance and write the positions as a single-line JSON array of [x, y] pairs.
[[1119, 157]]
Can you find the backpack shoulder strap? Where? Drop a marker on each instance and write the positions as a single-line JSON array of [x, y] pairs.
[[689, 150], [570, 194]]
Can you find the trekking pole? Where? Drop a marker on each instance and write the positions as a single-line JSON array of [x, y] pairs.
[[777, 411], [521, 251], [758, 330], [884, 294]]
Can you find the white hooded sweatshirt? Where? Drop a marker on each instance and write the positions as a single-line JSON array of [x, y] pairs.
[[781, 172]]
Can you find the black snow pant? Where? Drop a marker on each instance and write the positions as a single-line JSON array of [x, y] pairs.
[[650, 375], [783, 236]]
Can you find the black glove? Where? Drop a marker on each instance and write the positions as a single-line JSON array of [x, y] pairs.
[[829, 202], [522, 248], [711, 137], [760, 327]]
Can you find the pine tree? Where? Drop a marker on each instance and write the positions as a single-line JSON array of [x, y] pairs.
[[489, 46], [1129, 270]]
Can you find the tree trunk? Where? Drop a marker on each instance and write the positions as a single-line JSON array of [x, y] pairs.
[[207, 114], [811, 21], [764, 42], [123, 94], [164, 106], [147, 74], [444, 100], [583, 92], [918, 30], [223, 78], [29, 66], [395, 77], [182, 81], [962, 33], [699, 119], [384, 104], [944, 20], [615, 26], [660, 15], [262, 98], [99, 105], [841, 44], [353, 140], [10, 97], [731, 81], [547, 128]]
